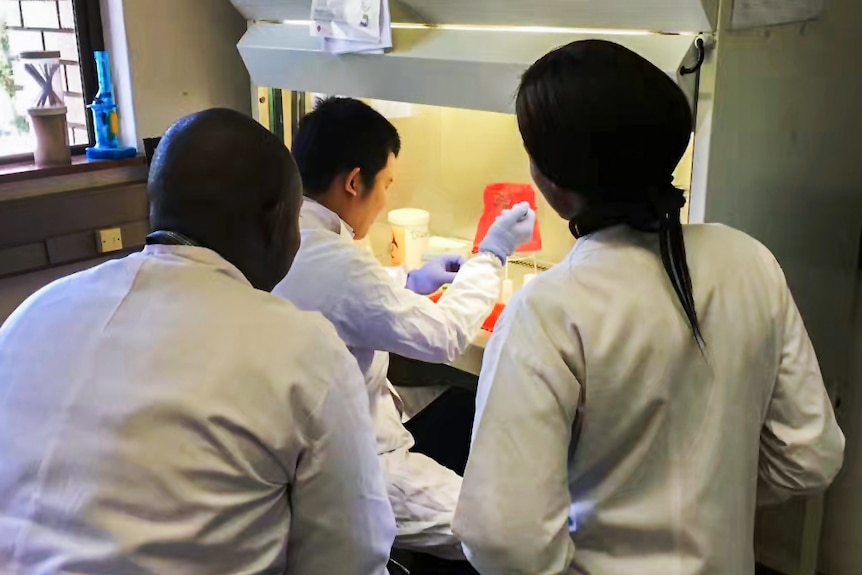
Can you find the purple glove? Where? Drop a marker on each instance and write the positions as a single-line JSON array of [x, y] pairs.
[[512, 229], [435, 274]]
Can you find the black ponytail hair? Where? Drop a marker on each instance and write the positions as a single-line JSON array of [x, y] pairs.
[[672, 245], [660, 213], [603, 122]]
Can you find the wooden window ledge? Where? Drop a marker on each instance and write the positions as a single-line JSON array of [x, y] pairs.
[[25, 171], [26, 180], [51, 216]]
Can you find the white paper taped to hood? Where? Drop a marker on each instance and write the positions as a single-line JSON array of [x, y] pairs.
[[339, 46], [357, 20]]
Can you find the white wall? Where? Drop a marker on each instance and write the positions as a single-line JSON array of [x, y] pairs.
[[785, 164], [841, 552], [172, 58], [785, 159]]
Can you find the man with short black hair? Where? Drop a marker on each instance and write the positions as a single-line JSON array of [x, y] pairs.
[[163, 413], [347, 153]]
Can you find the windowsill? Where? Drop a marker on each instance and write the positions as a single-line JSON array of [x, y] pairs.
[[26, 180], [27, 171]]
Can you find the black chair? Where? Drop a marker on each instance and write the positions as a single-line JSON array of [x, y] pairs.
[[150, 145]]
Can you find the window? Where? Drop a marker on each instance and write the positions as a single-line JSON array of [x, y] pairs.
[[72, 27]]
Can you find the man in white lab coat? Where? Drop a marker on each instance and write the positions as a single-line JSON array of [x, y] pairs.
[[346, 153], [164, 413], [633, 397]]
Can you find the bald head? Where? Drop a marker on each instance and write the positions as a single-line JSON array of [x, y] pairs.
[[226, 182]]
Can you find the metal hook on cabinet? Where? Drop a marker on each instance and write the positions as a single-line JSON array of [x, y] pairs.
[[700, 45]]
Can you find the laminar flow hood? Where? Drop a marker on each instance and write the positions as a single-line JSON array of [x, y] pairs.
[[462, 54]]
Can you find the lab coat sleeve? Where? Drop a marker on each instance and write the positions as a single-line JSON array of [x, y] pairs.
[[394, 319], [342, 520], [801, 444], [513, 512]]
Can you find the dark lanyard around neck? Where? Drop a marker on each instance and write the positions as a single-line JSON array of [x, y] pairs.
[[166, 238]]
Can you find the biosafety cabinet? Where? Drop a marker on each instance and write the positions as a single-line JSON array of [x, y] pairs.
[[448, 84]]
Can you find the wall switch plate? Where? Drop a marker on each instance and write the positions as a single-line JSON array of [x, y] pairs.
[[109, 240]]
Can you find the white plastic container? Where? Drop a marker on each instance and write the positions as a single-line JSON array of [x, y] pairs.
[[409, 237]]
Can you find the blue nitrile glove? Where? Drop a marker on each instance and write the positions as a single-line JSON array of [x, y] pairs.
[[435, 274], [512, 229]]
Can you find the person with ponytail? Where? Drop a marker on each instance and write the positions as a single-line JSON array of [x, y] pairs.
[[638, 399]]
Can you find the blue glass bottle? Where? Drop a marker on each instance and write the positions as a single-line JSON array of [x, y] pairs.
[[106, 122]]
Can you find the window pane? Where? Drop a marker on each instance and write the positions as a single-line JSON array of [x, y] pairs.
[[21, 40], [28, 25], [67, 14], [64, 42], [78, 134], [10, 12], [73, 78], [40, 14], [76, 111]]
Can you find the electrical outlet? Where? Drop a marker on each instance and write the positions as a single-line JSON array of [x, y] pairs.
[[110, 240]]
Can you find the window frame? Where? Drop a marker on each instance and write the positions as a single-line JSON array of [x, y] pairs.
[[90, 38]]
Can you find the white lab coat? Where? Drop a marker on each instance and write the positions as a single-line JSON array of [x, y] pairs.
[[158, 415], [375, 315], [664, 477]]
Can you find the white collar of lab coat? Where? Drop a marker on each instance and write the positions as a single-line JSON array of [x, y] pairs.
[[197, 255], [619, 234], [317, 214]]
